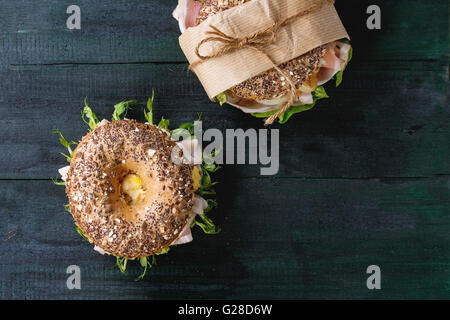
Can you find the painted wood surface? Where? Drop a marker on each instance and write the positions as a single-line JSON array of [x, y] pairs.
[[364, 177]]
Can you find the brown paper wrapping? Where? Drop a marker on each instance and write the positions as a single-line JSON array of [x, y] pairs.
[[294, 39]]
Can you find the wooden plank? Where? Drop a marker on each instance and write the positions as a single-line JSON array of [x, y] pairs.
[[389, 119], [111, 32], [318, 244], [364, 177], [144, 31]]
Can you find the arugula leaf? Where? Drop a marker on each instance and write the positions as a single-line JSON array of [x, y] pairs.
[[58, 182], [210, 167], [66, 144], [206, 224], [88, 113], [206, 185], [181, 132], [206, 188], [163, 251], [264, 114], [222, 98], [212, 203], [318, 94], [189, 126], [81, 234], [293, 110], [79, 231], [122, 264], [143, 261], [144, 264], [208, 161], [147, 264], [164, 124], [121, 109], [149, 114]]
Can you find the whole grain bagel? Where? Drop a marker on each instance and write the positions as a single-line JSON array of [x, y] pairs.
[[123, 217], [270, 84]]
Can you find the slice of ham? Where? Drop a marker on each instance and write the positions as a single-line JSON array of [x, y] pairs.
[[185, 236], [259, 107], [344, 51], [200, 205], [100, 250], [102, 123], [305, 98], [192, 151], [186, 13], [63, 172], [330, 60], [334, 60], [254, 107]]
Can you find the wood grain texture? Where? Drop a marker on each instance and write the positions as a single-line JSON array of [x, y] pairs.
[[364, 177], [318, 248], [144, 31], [396, 127]]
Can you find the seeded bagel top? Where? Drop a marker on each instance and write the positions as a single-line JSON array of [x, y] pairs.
[[104, 214]]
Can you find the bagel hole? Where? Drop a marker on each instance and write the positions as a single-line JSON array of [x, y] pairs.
[[131, 188]]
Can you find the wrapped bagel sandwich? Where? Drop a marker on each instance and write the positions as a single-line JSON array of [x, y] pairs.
[[264, 94], [134, 191]]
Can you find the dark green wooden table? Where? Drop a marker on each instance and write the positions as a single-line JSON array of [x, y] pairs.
[[364, 177]]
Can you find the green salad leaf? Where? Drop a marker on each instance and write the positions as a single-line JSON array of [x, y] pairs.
[[163, 251], [92, 119], [82, 234], [164, 124], [121, 263], [149, 262], [206, 224], [121, 109], [212, 203], [222, 98], [58, 182], [207, 189], [149, 113], [66, 144], [318, 94], [146, 263]]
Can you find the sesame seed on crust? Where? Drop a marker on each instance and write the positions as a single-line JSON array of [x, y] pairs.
[[268, 85], [104, 214]]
